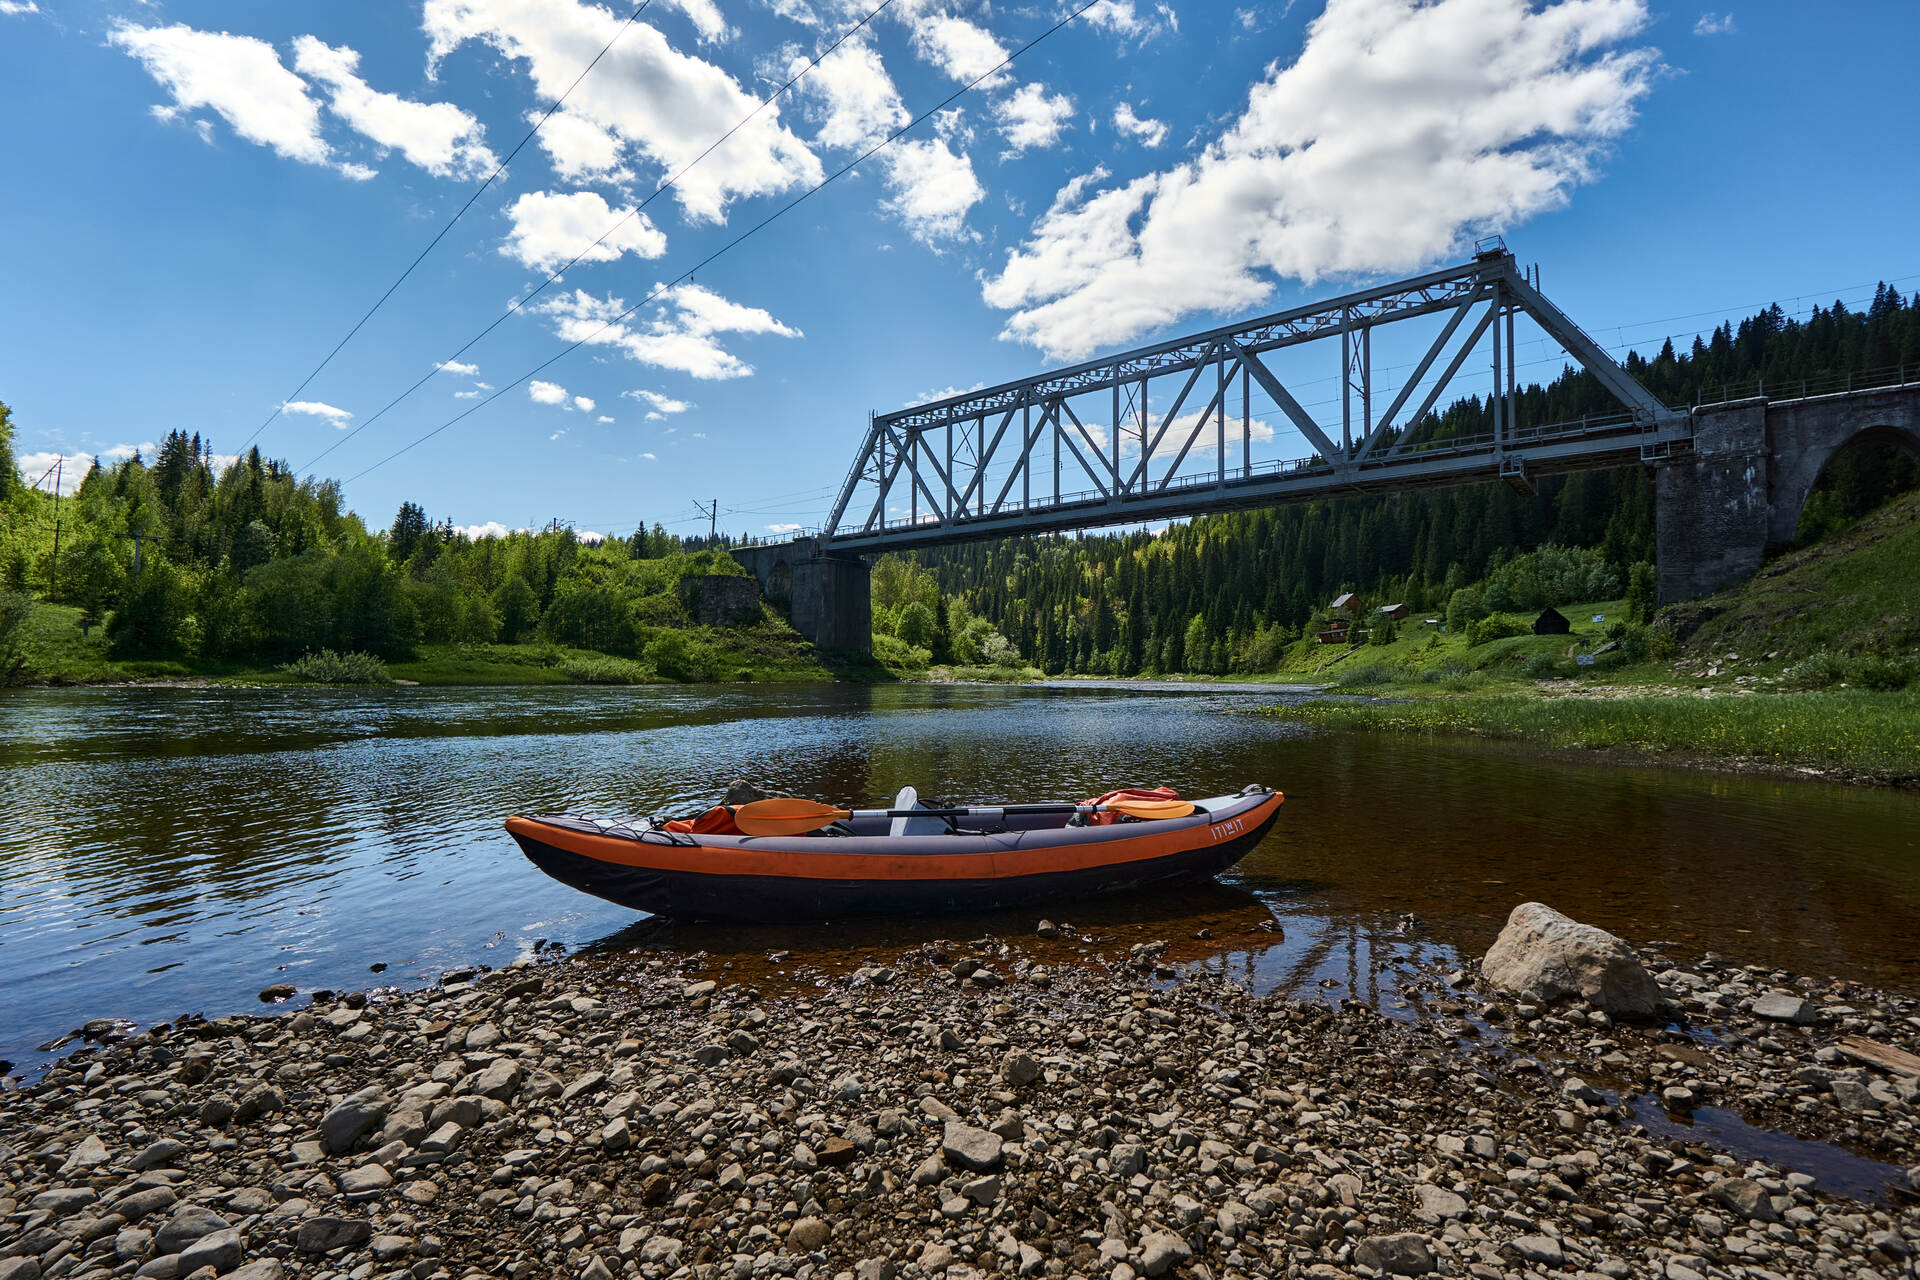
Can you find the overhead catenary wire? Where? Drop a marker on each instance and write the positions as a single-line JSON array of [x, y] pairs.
[[401, 279], [738, 240], [625, 218]]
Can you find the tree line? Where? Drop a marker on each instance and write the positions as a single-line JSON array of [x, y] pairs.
[[250, 562], [1228, 593]]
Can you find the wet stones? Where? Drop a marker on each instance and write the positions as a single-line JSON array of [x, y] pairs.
[[1784, 1006]]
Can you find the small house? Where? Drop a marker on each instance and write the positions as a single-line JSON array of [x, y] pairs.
[[1551, 622], [1335, 632], [1394, 612], [1349, 603]]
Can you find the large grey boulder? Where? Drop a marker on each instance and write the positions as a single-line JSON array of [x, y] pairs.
[[1543, 956]]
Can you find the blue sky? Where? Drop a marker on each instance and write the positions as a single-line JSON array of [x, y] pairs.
[[203, 198]]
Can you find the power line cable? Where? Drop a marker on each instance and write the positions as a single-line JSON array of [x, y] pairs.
[[738, 240], [441, 235], [628, 216]]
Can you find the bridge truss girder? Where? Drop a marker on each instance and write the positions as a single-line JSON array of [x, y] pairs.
[[934, 460]]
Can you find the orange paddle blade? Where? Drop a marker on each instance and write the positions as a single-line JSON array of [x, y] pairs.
[[785, 816], [1150, 810]]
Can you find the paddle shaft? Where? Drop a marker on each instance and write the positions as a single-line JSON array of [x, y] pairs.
[[990, 811]]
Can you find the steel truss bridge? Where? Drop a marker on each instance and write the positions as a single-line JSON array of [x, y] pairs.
[[1091, 445]]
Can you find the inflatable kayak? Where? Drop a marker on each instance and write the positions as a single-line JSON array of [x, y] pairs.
[[909, 860]]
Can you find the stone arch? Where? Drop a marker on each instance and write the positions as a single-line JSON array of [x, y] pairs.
[[1790, 501], [779, 583]]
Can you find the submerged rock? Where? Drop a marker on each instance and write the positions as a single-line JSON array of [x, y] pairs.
[[1542, 956]]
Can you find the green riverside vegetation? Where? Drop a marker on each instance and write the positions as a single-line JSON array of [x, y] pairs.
[[167, 568]]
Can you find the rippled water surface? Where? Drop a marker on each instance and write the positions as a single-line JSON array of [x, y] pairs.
[[166, 850]]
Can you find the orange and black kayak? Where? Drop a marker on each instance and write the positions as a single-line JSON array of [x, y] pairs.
[[936, 861]]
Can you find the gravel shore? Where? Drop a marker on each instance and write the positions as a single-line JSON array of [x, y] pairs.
[[966, 1111]]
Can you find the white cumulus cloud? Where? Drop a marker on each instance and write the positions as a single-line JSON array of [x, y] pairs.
[[1401, 129], [654, 101], [682, 333], [18, 8], [659, 405], [962, 49], [1150, 133], [549, 228], [318, 409], [454, 366], [240, 79], [491, 529], [784, 528], [1032, 118], [1714, 24], [437, 136], [546, 392], [930, 182], [583, 403]]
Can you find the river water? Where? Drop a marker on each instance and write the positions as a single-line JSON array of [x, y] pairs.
[[174, 850]]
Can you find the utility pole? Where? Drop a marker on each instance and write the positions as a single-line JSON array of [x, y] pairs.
[[137, 537], [53, 574], [712, 512]]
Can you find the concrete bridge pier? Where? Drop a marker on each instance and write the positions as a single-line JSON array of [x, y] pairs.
[[1736, 496], [827, 596]]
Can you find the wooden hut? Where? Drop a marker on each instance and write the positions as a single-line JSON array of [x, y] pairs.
[[1551, 622], [1349, 603], [1394, 612]]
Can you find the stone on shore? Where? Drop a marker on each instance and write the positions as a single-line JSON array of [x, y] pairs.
[[352, 1119], [971, 1148], [1406, 1254], [1784, 1006], [1542, 956]]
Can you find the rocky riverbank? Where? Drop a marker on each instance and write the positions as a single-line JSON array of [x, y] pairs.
[[966, 1111]]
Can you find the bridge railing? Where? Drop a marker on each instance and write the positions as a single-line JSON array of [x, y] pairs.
[[1884, 378]]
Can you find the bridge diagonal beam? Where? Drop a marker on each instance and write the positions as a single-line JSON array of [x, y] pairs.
[[885, 486], [1199, 425], [1029, 436], [1407, 388], [853, 477], [979, 480], [1592, 357], [1139, 476], [1081, 458], [1289, 406], [1453, 367], [913, 466]]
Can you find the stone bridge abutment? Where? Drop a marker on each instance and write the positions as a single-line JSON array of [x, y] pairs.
[[827, 596], [1737, 495]]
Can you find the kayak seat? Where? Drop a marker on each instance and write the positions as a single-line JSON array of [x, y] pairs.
[[916, 826]]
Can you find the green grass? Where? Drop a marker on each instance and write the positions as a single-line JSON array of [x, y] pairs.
[[984, 675], [57, 653], [1875, 735], [1854, 593]]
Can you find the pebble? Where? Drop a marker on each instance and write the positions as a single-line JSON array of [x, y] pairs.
[[563, 1120]]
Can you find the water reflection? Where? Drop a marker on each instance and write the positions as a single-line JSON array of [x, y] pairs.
[[174, 849]]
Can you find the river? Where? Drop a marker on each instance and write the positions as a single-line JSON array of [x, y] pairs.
[[175, 850]]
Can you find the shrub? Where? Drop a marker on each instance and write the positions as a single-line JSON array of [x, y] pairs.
[[677, 656], [1663, 642], [915, 625], [329, 667], [1357, 677], [1382, 633], [601, 669], [15, 607], [1465, 606], [894, 652], [1633, 644], [590, 617], [1495, 626], [1539, 667], [1880, 674]]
